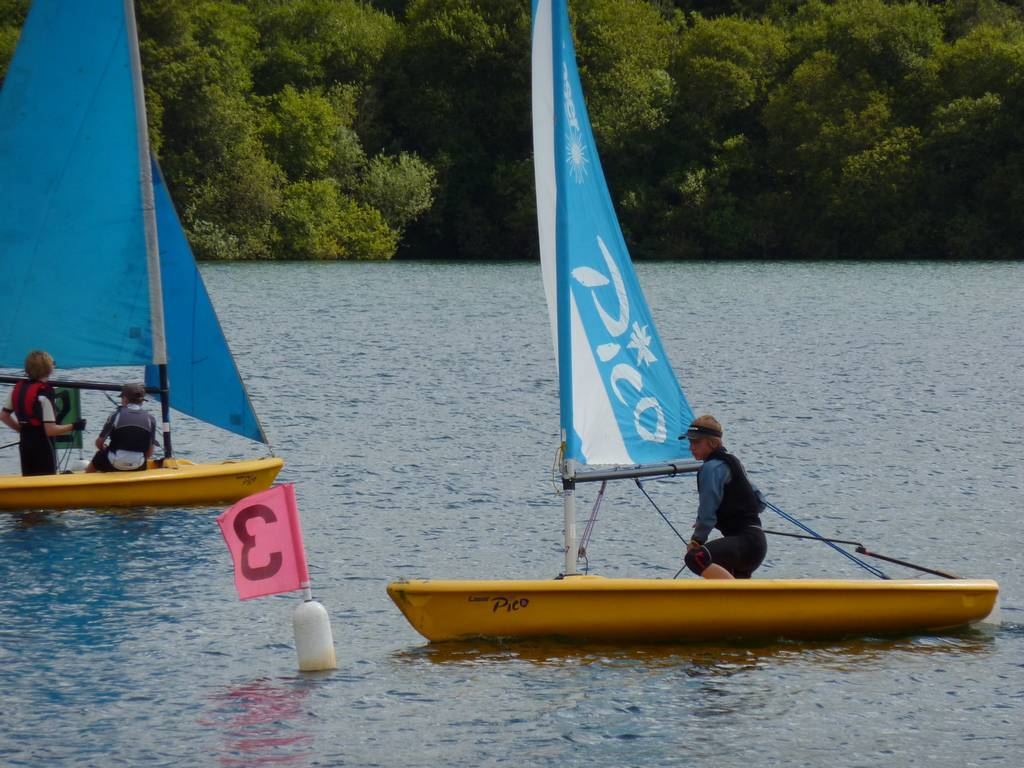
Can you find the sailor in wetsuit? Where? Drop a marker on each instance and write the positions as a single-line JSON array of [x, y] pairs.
[[30, 412], [132, 434], [728, 502]]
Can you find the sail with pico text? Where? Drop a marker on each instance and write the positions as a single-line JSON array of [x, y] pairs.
[[620, 400]]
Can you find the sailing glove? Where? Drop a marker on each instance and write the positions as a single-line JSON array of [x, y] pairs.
[[79, 425]]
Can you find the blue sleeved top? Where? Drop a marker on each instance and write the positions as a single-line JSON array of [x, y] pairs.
[[714, 474]]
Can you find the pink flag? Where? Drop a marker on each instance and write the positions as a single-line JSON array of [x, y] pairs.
[[262, 532]]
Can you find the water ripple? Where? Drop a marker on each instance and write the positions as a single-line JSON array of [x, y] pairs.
[[416, 407]]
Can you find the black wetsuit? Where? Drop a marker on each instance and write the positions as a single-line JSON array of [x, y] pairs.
[[743, 545]]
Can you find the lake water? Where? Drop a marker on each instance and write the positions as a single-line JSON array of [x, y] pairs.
[[415, 407]]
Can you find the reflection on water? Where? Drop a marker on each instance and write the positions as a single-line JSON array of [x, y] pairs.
[[25, 519], [30, 518], [262, 722], [717, 659]]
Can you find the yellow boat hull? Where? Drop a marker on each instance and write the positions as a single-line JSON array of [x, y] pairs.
[[179, 483], [596, 608]]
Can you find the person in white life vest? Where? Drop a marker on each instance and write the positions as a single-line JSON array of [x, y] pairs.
[[132, 435]]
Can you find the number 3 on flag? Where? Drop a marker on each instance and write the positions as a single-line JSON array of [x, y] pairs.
[[265, 540], [241, 530]]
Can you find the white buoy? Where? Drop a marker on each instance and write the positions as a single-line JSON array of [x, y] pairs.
[[314, 642]]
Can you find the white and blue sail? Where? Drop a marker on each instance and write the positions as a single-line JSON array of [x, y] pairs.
[[620, 400], [92, 255]]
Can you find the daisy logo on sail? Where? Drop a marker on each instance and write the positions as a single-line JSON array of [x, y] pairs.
[[575, 149], [640, 340]]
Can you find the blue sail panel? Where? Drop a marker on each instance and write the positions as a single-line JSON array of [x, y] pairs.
[[621, 401], [72, 241], [204, 381]]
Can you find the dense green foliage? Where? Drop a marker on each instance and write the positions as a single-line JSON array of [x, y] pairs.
[[345, 129]]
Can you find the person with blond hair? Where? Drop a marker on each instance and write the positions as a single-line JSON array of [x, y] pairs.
[[30, 412], [729, 502]]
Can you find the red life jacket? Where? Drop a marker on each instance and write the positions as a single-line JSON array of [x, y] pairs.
[[26, 401]]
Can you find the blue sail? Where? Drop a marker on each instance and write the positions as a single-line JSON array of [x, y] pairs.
[[72, 238], [75, 209], [204, 381], [620, 400]]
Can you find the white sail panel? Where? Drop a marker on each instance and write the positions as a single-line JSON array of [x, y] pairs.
[[593, 414], [544, 154]]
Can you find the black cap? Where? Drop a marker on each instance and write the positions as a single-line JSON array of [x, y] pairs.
[[697, 431]]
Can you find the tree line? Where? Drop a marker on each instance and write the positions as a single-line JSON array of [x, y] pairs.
[[348, 129]]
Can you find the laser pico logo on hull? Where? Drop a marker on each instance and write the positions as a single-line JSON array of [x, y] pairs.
[[501, 603]]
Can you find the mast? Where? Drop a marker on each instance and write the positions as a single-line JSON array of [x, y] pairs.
[[569, 511], [156, 296], [563, 304], [563, 289]]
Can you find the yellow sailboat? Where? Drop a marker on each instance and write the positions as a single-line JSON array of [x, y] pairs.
[[660, 610], [172, 483], [99, 271], [622, 410]]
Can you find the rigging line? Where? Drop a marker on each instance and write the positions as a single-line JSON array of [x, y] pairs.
[[812, 538], [589, 529], [645, 493], [64, 460], [869, 568], [555, 471], [862, 550], [10, 445]]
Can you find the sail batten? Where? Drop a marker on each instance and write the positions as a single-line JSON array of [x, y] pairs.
[[620, 401]]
